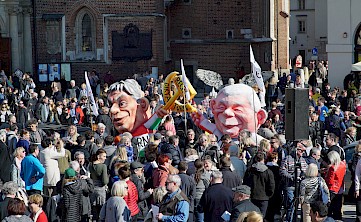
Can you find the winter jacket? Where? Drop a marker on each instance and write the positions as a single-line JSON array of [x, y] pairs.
[[115, 210], [188, 186], [202, 185], [261, 181], [239, 166], [23, 143], [14, 218], [142, 194], [160, 175], [309, 189], [32, 168], [230, 179], [173, 151], [132, 198], [71, 203], [243, 206], [5, 160], [215, 201], [287, 170], [335, 177]]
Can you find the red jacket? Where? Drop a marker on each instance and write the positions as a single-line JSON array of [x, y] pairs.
[[79, 114], [334, 178], [41, 218], [160, 176], [132, 198]]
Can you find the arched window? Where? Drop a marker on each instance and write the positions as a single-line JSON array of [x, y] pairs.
[[85, 35], [358, 45]]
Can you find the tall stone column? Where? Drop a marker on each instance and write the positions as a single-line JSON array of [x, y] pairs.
[[28, 51], [14, 35]]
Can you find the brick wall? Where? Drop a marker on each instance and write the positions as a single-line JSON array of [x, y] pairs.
[[208, 20]]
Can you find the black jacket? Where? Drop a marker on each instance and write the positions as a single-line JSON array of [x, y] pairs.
[[230, 179], [243, 206], [173, 151], [215, 200], [261, 181], [72, 202], [6, 161]]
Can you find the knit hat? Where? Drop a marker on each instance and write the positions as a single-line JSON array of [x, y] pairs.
[[69, 173]]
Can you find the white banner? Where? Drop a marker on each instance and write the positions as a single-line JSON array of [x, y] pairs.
[[184, 80], [90, 96], [257, 75]]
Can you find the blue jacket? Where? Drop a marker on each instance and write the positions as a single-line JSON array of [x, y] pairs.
[[23, 143], [32, 168]]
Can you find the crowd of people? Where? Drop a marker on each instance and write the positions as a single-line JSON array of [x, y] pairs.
[[183, 173]]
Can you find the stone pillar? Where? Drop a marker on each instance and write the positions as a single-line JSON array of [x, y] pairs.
[[14, 35], [28, 55]]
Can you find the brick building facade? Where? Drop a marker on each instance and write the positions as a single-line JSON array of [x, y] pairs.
[[112, 35]]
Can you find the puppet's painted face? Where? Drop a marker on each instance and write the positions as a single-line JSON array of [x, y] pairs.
[[124, 112], [233, 114]]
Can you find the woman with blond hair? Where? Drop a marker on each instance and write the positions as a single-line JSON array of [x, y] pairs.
[[19, 155], [71, 136], [116, 209], [309, 190], [35, 207], [335, 182], [252, 216], [264, 146]]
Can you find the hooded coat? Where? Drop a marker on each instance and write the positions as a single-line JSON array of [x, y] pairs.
[[261, 181], [75, 201]]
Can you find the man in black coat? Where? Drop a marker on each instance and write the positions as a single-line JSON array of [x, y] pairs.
[[9, 191], [188, 187], [22, 115], [216, 199], [5, 159], [261, 179], [230, 179], [104, 118], [242, 202]]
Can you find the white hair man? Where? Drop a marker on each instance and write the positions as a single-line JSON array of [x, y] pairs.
[[175, 205], [73, 91], [9, 190]]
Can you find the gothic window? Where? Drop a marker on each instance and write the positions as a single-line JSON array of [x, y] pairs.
[[85, 35], [358, 44]]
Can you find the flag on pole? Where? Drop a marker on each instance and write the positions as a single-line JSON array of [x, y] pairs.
[[257, 74], [184, 80], [89, 94]]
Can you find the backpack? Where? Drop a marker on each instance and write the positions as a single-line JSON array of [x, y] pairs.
[[322, 194]]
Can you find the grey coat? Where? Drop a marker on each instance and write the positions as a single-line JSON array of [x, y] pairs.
[[115, 210]]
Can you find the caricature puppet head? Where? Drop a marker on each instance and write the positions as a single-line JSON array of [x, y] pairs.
[[237, 107], [129, 108]]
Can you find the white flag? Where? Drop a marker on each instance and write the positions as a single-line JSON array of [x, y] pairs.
[[257, 75], [185, 82], [90, 96]]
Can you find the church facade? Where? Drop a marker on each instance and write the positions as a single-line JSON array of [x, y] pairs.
[[127, 37]]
